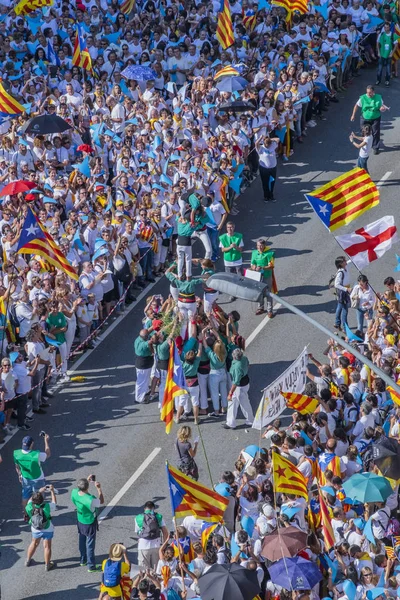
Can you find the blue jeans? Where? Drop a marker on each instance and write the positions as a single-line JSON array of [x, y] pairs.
[[213, 234], [360, 317], [146, 262], [342, 310], [87, 545], [384, 65], [362, 163]]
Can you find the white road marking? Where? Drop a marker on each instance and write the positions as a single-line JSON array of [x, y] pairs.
[[384, 178], [260, 327], [106, 511]]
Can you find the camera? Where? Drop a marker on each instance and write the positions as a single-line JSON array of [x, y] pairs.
[[93, 477], [42, 433]]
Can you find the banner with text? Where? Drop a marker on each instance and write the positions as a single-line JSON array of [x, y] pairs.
[[273, 403]]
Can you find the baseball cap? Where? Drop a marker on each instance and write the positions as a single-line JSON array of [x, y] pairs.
[[27, 442], [359, 523]]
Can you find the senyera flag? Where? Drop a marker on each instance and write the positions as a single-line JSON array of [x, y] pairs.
[[345, 198], [369, 243]]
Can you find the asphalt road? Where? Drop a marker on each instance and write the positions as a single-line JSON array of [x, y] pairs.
[[96, 427]]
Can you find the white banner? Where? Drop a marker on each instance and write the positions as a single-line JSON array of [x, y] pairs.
[[273, 403]]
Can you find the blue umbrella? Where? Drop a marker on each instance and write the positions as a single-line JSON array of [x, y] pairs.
[[295, 573], [232, 84], [139, 73]]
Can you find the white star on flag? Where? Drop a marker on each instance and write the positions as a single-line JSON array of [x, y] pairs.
[[174, 489], [323, 209], [31, 230], [176, 369]]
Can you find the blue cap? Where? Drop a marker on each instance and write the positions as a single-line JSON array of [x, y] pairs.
[[359, 523], [13, 356], [27, 442]]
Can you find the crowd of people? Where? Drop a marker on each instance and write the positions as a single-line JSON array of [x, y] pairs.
[[149, 164]]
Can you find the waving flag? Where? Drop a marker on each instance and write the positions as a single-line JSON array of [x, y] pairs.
[[8, 105], [9, 330], [302, 404], [395, 396], [327, 530], [81, 57], [34, 239], [206, 530], [51, 55], [345, 198], [249, 19], [224, 32], [183, 549], [370, 242], [288, 479], [127, 6], [292, 5], [188, 497], [175, 385], [225, 72], [24, 7]]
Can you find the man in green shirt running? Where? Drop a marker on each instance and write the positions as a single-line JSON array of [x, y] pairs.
[[385, 47], [372, 107], [86, 507]]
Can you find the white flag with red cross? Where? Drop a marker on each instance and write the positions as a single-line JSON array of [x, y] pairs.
[[370, 242]]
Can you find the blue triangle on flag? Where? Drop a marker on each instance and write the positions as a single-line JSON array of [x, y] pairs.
[[323, 209]]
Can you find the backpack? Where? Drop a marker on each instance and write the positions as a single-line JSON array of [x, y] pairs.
[[112, 573], [227, 553], [393, 527], [150, 529], [38, 518]]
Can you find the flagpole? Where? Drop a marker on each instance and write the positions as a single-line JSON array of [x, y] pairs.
[[179, 553], [205, 455]]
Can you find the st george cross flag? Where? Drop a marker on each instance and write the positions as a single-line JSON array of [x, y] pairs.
[[370, 242]]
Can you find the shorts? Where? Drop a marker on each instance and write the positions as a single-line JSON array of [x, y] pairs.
[[29, 486], [194, 397], [109, 296], [43, 535]]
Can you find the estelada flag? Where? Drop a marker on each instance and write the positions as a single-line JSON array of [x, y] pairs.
[[345, 198], [34, 239], [369, 243], [302, 404], [287, 478], [175, 385], [189, 497]]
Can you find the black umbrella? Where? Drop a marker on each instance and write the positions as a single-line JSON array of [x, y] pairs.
[[386, 456], [228, 582], [46, 124], [238, 106]]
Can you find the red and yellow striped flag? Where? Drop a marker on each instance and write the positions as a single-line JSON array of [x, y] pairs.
[[34, 239], [345, 198], [8, 104], [188, 497], [327, 530], [395, 396], [174, 386], [224, 31], [288, 479], [224, 192], [24, 7], [81, 57], [303, 404], [225, 72], [292, 5], [127, 6]]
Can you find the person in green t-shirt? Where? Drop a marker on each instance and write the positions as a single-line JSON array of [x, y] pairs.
[[385, 47], [39, 513], [231, 244], [58, 325], [86, 507], [263, 260], [372, 107]]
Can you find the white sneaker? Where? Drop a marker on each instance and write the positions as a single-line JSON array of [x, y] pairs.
[[312, 124], [65, 377]]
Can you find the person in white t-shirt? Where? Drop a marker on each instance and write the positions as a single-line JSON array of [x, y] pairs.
[[365, 146]]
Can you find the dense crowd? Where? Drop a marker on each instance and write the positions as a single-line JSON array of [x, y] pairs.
[[151, 162]]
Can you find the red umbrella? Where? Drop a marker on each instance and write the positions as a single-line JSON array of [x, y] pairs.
[[15, 187], [85, 148]]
